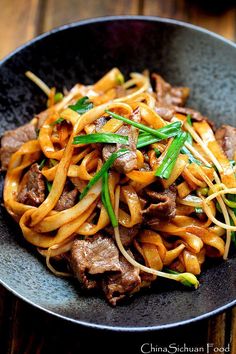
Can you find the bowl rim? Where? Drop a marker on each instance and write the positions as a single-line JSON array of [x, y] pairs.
[[79, 23]]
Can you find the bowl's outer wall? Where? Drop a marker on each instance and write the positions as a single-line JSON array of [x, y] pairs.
[[84, 53]]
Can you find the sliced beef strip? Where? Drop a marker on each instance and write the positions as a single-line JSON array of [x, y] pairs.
[[195, 115], [162, 205], [12, 140], [126, 162], [226, 137], [33, 190], [170, 95], [67, 199], [126, 234], [92, 257], [170, 100], [165, 111], [117, 286]]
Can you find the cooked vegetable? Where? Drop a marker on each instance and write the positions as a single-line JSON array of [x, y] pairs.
[[58, 97], [82, 105], [101, 172], [143, 140], [168, 163], [106, 200], [157, 133], [42, 163], [58, 121]]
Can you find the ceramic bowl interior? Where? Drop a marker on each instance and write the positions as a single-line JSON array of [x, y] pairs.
[[83, 52]]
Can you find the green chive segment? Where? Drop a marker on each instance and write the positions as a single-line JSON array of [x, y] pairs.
[[169, 161], [42, 163], [58, 121], [82, 105], [107, 138], [106, 200], [101, 172], [144, 138], [140, 126]]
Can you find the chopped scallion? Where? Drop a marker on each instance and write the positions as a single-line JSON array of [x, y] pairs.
[[58, 121], [156, 132], [42, 163], [49, 186], [101, 138], [106, 200], [198, 210], [144, 139], [191, 158], [82, 105], [101, 172], [168, 163], [157, 152], [120, 79]]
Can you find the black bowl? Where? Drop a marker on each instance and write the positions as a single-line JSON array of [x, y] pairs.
[[84, 51]]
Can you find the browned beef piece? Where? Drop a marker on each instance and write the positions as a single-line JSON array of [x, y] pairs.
[[162, 205], [189, 111], [12, 140], [165, 111], [99, 123], [126, 162], [170, 95], [92, 257], [117, 286], [226, 137], [33, 190], [78, 183], [126, 234], [195, 115], [67, 199]]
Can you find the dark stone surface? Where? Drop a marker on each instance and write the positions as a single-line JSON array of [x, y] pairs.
[[83, 53]]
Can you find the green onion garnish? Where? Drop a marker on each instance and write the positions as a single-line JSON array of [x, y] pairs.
[[191, 158], [53, 162], [49, 186], [120, 79], [82, 105], [189, 138], [189, 119], [108, 138], [42, 163], [230, 201], [157, 152], [144, 138], [169, 130], [101, 172], [140, 126], [198, 210], [106, 200], [58, 121], [168, 163], [58, 97]]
